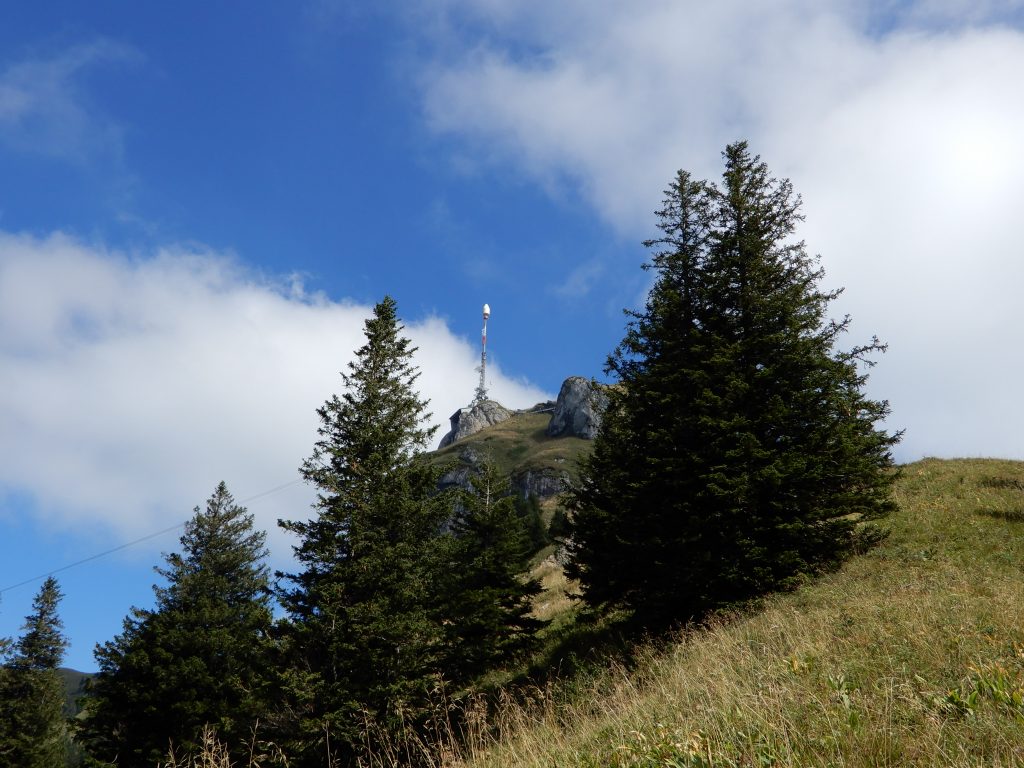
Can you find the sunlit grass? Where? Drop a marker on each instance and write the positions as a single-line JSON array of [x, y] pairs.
[[518, 445], [556, 599], [911, 655]]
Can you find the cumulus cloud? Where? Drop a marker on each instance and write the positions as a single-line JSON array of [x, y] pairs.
[[133, 383], [899, 124]]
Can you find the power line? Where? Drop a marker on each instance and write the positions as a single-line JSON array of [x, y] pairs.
[[132, 543]]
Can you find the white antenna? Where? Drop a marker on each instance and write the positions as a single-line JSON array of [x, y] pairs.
[[481, 388]]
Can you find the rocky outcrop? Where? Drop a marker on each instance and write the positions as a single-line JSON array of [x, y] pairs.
[[578, 409], [457, 477], [540, 483], [468, 421]]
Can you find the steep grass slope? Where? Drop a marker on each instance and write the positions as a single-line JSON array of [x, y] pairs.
[[910, 655], [519, 445]]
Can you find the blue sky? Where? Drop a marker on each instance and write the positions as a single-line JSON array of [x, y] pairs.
[[199, 202]]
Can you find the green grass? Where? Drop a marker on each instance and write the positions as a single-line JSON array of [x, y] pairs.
[[910, 655], [518, 445]]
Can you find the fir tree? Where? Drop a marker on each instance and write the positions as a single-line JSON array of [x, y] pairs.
[[489, 600], [739, 450], [528, 509], [364, 628], [198, 658], [33, 732]]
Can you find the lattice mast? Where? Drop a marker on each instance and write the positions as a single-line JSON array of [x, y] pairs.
[[481, 388]]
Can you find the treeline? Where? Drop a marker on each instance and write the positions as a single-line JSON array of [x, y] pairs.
[[738, 453]]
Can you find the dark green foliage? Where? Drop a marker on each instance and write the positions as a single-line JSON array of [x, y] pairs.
[[739, 450], [528, 510], [33, 732], [558, 528], [365, 637], [42, 645], [198, 659], [488, 598]]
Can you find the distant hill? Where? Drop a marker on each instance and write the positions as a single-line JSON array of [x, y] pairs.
[[74, 684], [520, 449], [538, 448]]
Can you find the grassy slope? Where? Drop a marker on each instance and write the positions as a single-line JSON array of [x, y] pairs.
[[910, 655], [519, 444]]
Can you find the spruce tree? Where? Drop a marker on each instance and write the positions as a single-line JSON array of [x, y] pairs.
[[33, 731], [198, 658], [489, 599], [528, 508], [364, 629], [739, 449]]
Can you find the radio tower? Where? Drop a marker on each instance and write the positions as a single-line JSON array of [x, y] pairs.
[[481, 388]]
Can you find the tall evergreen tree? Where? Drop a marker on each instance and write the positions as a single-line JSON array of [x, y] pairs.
[[364, 625], [528, 508], [489, 598], [739, 450], [199, 658], [33, 732]]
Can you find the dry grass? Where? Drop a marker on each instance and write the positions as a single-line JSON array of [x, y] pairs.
[[556, 598], [912, 655], [214, 753]]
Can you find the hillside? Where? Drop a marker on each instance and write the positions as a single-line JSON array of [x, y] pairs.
[[912, 654], [517, 447], [74, 683]]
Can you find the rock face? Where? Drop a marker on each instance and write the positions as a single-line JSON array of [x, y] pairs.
[[468, 421], [578, 409], [542, 483]]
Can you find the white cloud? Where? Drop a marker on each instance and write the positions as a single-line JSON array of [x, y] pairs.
[[43, 110], [900, 125], [133, 384]]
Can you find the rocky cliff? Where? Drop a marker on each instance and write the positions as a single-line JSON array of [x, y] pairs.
[[578, 409], [576, 413], [536, 448], [469, 421], [542, 482]]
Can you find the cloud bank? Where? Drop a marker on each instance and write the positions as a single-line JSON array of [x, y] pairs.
[[132, 384], [900, 124]]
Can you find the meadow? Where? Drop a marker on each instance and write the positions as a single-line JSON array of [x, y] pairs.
[[911, 654]]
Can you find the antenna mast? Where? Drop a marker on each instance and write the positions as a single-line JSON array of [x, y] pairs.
[[481, 388]]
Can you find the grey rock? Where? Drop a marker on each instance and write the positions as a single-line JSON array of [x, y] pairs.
[[469, 421], [457, 477], [542, 484], [578, 409]]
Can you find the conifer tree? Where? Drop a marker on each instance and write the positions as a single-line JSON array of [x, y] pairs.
[[33, 731], [489, 599], [739, 450], [198, 658], [364, 628], [528, 508]]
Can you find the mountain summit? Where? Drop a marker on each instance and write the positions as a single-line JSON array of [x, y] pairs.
[[576, 413]]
